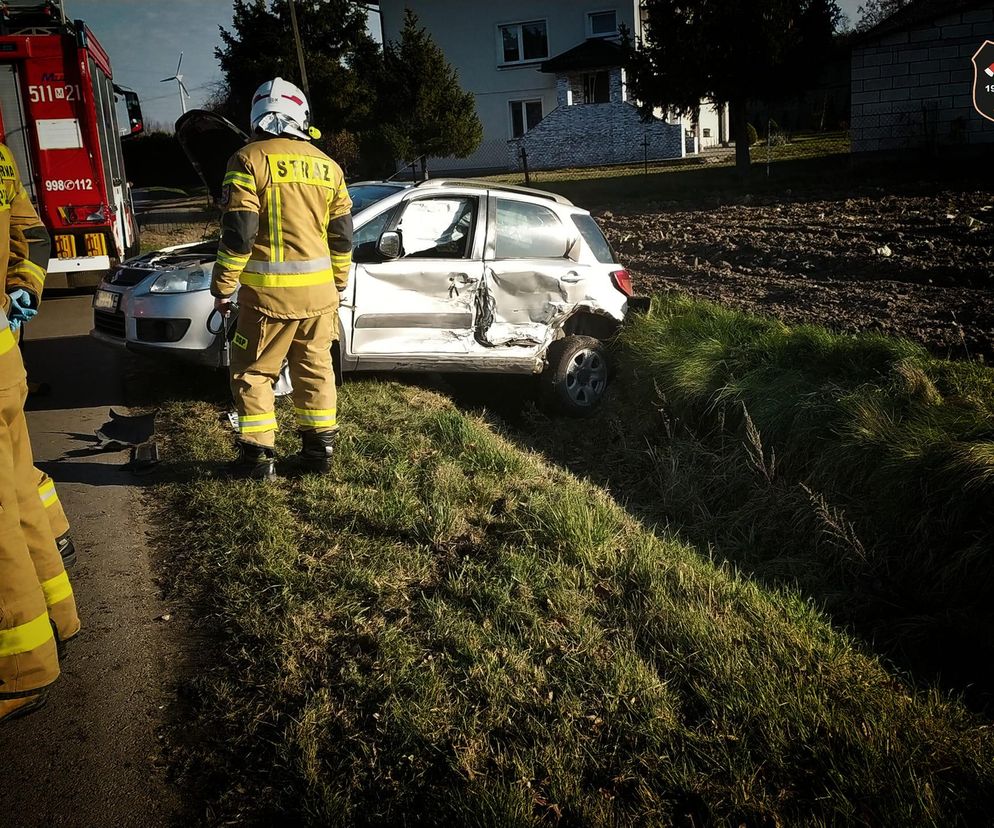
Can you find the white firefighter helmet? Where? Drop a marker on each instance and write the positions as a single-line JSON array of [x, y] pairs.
[[279, 107]]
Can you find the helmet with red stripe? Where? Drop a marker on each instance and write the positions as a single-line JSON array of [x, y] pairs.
[[280, 108]]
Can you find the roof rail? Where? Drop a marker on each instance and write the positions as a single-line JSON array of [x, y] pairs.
[[493, 185]]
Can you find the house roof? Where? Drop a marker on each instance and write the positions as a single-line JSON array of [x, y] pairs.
[[916, 13], [595, 53]]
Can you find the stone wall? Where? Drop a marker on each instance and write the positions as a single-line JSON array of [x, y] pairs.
[[589, 135], [915, 88]]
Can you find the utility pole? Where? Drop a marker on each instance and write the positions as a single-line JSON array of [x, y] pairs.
[[300, 48]]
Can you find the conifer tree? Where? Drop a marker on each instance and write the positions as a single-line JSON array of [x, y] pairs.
[[424, 111]]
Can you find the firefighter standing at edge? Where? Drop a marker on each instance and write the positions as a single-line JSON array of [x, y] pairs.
[[30, 247], [286, 236], [37, 606]]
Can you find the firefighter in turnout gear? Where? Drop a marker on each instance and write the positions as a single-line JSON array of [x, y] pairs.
[[30, 248], [286, 247], [37, 606]]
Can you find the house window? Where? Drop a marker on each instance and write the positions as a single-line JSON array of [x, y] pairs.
[[524, 116], [522, 42], [707, 132], [602, 24], [596, 88]]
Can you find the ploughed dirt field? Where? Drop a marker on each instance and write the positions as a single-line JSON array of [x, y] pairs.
[[918, 266]]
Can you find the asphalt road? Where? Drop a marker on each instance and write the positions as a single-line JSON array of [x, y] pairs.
[[92, 757]]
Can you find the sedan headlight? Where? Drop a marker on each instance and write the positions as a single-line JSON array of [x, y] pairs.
[[182, 281]]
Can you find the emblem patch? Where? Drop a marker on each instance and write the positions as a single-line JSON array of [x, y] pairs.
[[983, 80], [240, 341]]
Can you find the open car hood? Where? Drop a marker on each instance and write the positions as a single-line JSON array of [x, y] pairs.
[[209, 141]]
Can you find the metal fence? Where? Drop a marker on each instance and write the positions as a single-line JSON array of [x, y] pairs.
[[770, 146]]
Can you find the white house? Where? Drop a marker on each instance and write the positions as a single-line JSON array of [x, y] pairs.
[[548, 77]]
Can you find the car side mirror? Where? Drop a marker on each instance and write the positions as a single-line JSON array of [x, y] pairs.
[[390, 245], [365, 253]]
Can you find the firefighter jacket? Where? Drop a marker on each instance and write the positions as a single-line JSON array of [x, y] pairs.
[[30, 243], [11, 367], [286, 233]]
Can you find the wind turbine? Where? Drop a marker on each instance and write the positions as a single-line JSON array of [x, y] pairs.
[[184, 93]]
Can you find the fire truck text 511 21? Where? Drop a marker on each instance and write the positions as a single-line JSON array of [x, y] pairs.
[[40, 93]]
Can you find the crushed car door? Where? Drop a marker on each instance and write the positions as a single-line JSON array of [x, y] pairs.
[[423, 302], [531, 282]]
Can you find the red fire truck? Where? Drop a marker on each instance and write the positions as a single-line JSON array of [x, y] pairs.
[[59, 116]]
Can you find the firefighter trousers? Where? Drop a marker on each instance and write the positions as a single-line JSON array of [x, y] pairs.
[[35, 594], [257, 353], [53, 507]]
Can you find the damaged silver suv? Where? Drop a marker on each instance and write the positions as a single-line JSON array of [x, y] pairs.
[[450, 275]]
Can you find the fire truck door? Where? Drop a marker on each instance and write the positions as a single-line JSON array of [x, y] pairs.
[[13, 128]]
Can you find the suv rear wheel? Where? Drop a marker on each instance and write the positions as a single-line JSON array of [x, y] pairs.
[[576, 377]]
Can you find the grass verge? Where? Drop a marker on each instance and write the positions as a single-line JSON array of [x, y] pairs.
[[447, 630], [859, 469]]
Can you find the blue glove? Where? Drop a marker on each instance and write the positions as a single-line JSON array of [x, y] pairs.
[[15, 325], [20, 306]]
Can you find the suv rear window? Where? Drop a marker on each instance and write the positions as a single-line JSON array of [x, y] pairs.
[[594, 238]]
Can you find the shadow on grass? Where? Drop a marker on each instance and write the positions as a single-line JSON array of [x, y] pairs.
[[729, 502]]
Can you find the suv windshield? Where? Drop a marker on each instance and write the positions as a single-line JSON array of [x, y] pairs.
[[363, 195], [594, 238]]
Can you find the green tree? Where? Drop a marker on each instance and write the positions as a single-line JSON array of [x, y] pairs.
[[424, 110], [343, 65], [728, 51]]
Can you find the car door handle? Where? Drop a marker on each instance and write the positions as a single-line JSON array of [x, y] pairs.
[[572, 277], [463, 279]]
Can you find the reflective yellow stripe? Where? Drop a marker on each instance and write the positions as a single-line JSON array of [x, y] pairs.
[[287, 279], [240, 179], [26, 637], [328, 422], [47, 493], [340, 259], [316, 416], [254, 423], [56, 589], [277, 253], [29, 269], [258, 429], [251, 418], [232, 261], [7, 340]]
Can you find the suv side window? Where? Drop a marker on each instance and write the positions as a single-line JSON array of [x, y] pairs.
[[438, 228], [371, 231], [529, 231]]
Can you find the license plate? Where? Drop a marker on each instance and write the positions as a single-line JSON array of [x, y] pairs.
[[106, 300]]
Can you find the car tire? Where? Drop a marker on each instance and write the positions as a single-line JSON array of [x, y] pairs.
[[576, 375]]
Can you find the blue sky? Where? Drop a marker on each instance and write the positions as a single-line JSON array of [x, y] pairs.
[[144, 39]]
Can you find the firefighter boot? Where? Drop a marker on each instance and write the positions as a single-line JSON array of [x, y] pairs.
[[316, 450], [67, 549], [253, 462], [11, 709]]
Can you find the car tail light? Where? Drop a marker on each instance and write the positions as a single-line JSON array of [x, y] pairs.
[[623, 282]]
